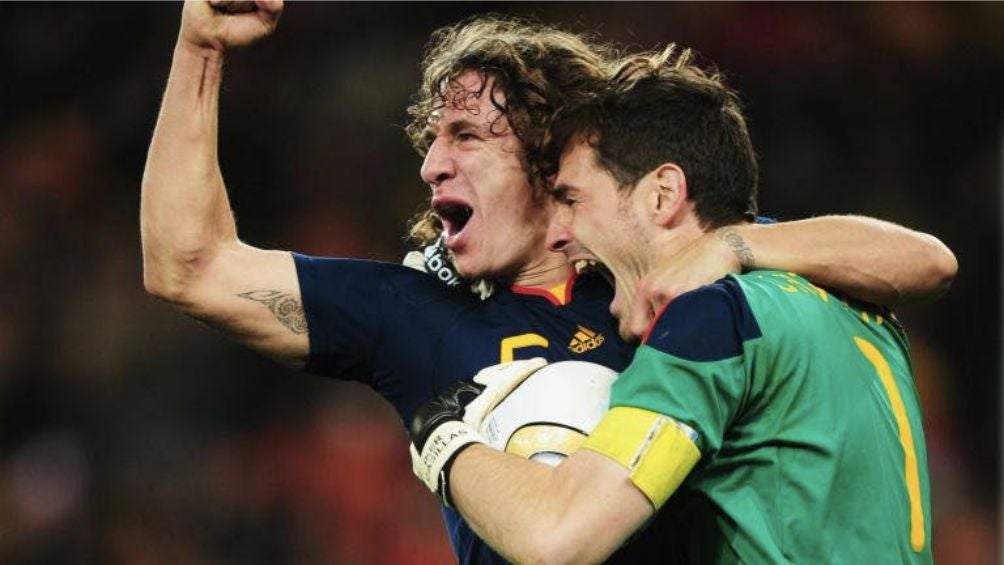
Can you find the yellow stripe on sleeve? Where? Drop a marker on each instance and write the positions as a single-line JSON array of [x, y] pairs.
[[657, 450]]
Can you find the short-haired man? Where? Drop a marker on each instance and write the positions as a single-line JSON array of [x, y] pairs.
[[763, 420], [490, 86]]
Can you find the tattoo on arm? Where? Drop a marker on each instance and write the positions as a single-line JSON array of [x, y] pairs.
[[735, 241], [286, 309]]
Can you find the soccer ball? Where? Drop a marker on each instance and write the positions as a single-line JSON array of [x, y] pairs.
[[550, 414]]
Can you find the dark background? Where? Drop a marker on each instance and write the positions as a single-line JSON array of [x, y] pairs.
[[130, 434]]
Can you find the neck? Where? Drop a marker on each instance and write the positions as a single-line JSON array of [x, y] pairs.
[[672, 240], [553, 269]]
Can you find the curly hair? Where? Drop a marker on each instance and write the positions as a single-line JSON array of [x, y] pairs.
[[661, 106], [536, 70]]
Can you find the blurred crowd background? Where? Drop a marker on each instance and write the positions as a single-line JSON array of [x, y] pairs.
[[132, 435]]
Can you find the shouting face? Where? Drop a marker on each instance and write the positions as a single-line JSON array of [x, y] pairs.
[[481, 191], [597, 222]]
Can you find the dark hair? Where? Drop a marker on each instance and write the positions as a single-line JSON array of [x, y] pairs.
[[661, 107], [537, 69]]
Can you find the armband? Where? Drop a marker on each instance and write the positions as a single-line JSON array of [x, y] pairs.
[[658, 451]]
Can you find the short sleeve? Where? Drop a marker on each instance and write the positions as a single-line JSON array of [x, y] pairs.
[[341, 298], [692, 367]]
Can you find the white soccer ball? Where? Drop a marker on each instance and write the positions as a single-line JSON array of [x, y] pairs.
[[550, 414]]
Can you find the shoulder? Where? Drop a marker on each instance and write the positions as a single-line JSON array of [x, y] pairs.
[[709, 323], [334, 274], [345, 267]]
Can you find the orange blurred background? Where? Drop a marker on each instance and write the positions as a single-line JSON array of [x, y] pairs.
[[131, 435]]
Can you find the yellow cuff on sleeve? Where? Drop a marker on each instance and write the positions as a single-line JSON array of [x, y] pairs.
[[657, 450]]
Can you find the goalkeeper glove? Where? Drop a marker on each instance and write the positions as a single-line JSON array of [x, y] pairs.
[[449, 423]]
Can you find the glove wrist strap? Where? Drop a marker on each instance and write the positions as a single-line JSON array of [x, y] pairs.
[[439, 452]]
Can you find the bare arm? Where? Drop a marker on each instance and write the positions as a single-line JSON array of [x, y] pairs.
[[864, 258], [868, 259], [191, 255], [578, 512]]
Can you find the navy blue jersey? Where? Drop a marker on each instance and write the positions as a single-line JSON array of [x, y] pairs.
[[408, 336]]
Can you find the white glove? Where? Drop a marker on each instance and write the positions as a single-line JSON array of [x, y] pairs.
[[498, 381]]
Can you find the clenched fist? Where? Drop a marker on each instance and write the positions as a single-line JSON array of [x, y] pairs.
[[221, 24]]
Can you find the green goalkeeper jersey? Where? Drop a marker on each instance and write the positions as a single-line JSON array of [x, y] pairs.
[[807, 420]]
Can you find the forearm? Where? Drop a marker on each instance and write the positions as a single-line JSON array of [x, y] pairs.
[[533, 513], [864, 258], [184, 211], [512, 511]]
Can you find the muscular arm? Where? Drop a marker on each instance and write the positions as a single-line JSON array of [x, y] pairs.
[[191, 255], [578, 512], [865, 258]]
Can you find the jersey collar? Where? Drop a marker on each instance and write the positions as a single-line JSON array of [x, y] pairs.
[[559, 295]]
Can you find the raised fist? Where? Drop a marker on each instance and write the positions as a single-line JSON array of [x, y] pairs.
[[221, 24]]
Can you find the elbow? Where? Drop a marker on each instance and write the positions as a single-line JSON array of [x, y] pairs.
[[173, 261], [170, 280], [940, 268], [944, 267], [562, 546], [165, 286], [550, 552], [923, 274], [158, 285], [172, 268]]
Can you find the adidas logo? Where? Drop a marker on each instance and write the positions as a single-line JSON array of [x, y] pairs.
[[585, 340]]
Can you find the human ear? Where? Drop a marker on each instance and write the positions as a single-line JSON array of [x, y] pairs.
[[669, 192]]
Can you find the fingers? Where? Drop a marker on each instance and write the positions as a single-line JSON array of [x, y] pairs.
[[639, 318], [652, 294], [233, 6], [267, 10], [499, 381], [242, 6], [270, 6], [512, 371], [222, 24]]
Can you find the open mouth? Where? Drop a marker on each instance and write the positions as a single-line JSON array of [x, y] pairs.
[[583, 266], [454, 216]]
